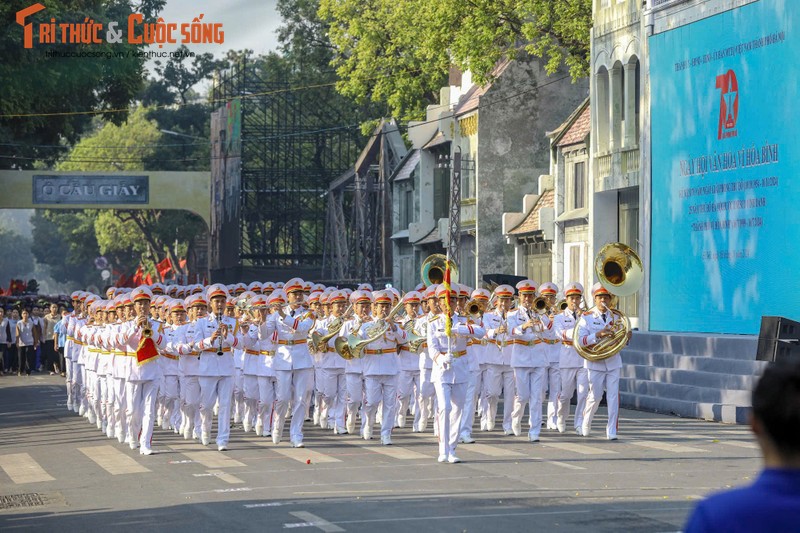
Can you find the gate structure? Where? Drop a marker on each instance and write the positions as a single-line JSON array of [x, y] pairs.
[[275, 151]]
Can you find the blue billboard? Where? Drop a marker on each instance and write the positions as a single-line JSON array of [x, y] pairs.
[[725, 131]]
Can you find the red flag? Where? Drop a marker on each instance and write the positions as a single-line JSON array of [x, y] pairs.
[[148, 280], [137, 276], [147, 351], [164, 267], [182, 263]]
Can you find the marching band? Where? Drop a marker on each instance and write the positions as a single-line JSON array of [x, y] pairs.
[[175, 357]]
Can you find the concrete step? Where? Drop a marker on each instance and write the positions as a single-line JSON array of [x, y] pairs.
[[685, 392], [731, 414], [693, 362], [689, 377], [742, 347]]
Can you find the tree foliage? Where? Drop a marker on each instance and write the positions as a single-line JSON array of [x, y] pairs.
[[33, 83], [399, 51], [16, 261]]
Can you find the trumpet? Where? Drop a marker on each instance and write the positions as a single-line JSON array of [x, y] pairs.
[[474, 309], [147, 331]]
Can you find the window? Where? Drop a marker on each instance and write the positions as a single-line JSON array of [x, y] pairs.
[[579, 189], [538, 261], [441, 184], [467, 178], [574, 262], [409, 207]]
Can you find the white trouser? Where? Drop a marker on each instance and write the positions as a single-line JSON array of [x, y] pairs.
[[238, 393], [497, 378], [553, 381], [468, 416], [171, 395], [121, 409], [407, 383], [450, 397], [265, 407], [69, 385], [110, 406], [530, 385], [382, 388], [599, 380], [355, 396], [141, 402], [251, 395], [333, 391], [292, 385], [190, 401], [216, 389], [426, 401], [572, 378]]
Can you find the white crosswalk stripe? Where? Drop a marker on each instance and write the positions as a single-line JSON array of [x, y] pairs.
[[22, 468], [395, 452], [577, 448], [666, 446], [209, 458], [113, 460], [491, 451]]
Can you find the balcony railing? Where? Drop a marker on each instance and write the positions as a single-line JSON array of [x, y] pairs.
[[604, 166], [630, 160]]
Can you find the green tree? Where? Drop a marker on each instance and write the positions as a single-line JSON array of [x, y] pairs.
[[54, 93], [16, 261], [399, 51], [65, 241]]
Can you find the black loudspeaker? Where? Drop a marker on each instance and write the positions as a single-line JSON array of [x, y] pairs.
[[779, 339]]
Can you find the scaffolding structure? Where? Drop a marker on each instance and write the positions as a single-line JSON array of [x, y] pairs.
[[293, 143], [359, 216]]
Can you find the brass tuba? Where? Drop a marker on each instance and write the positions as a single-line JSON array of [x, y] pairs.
[[620, 271], [433, 270], [320, 341]]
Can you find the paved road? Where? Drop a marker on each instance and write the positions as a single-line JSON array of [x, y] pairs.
[[65, 475]]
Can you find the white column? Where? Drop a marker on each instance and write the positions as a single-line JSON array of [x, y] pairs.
[[615, 106], [629, 130]]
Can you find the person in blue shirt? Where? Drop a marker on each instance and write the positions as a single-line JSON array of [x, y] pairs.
[[60, 338], [772, 502]]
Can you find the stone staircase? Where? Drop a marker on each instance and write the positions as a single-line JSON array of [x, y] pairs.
[[709, 377]]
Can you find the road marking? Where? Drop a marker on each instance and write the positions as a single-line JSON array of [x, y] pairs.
[[491, 451], [257, 505], [227, 478], [395, 452], [302, 455], [312, 520], [740, 444], [577, 448], [665, 446], [21, 468], [564, 465], [112, 460], [205, 457]]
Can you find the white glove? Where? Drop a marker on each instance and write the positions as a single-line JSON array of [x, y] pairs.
[[447, 359]]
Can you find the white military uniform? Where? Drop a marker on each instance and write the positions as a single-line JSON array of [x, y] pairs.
[[332, 382], [529, 361], [450, 378], [573, 372], [380, 367], [601, 374], [294, 369], [497, 375]]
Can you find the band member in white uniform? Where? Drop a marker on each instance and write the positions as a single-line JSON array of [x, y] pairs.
[[450, 372], [571, 365], [294, 369], [333, 384], [552, 348], [354, 375], [592, 327], [475, 355], [380, 367], [427, 392], [528, 359], [497, 375], [215, 337], [408, 360]]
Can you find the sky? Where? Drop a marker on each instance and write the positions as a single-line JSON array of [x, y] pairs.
[[246, 23]]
